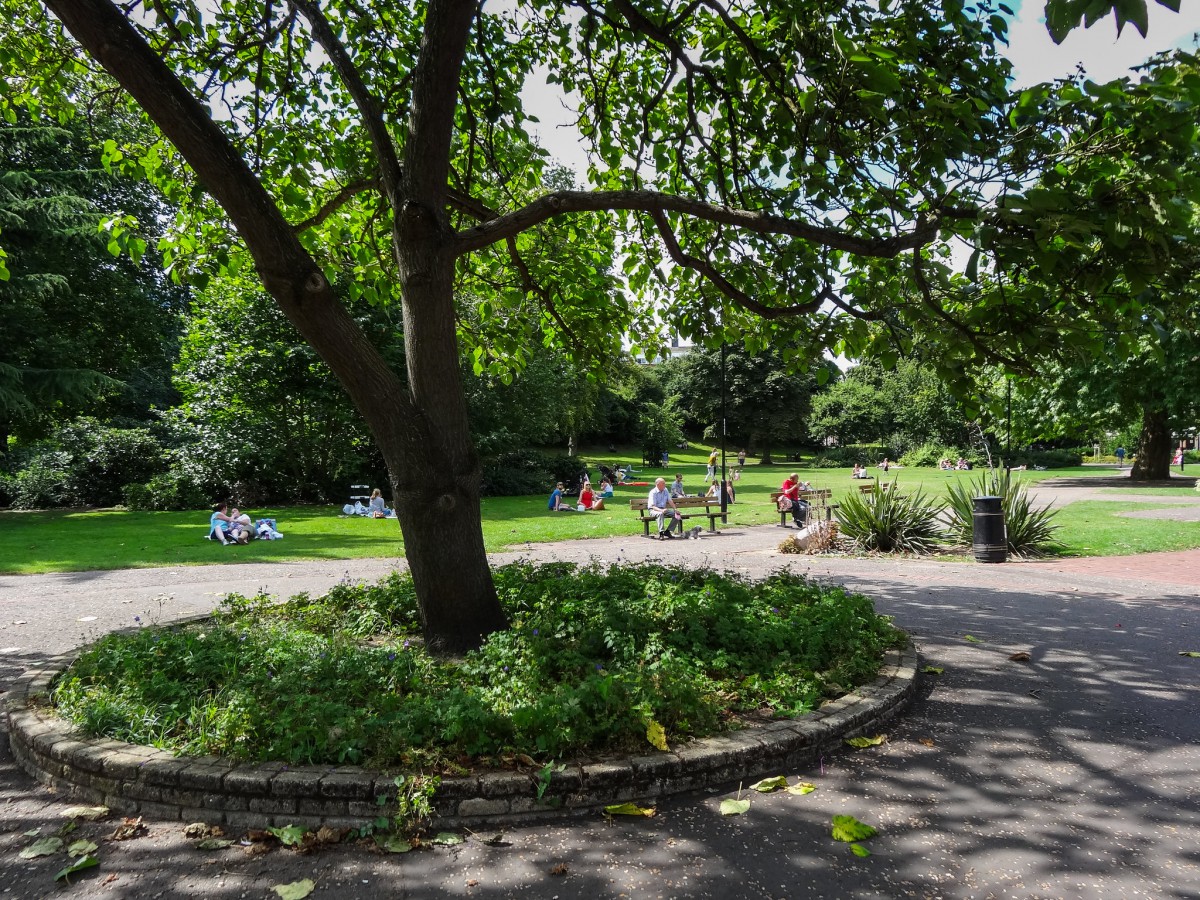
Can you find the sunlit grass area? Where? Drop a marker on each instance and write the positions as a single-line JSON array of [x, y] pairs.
[[65, 541]]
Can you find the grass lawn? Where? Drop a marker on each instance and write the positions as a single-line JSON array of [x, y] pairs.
[[69, 541]]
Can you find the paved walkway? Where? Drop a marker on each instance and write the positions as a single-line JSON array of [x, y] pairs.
[[1076, 774]]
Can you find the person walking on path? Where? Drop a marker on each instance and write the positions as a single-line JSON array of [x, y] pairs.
[[660, 505], [1120, 457]]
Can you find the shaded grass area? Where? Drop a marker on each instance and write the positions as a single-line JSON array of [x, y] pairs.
[[595, 660], [66, 541]]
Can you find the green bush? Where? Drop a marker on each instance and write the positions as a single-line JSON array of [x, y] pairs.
[[1048, 459], [524, 472], [1030, 529], [42, 483], [592, 657], [930, 455], [171, 490], [842, 457], [889, 521]]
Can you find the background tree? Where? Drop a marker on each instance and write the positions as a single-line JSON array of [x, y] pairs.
[[904, 407], [1153, 391], [766, 404], [83, 330], [262, 416], [803, 166]]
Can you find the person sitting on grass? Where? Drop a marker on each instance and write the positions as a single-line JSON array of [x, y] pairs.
[[586, 497], [218, 524], [240, 528], [606, 488], [376, 508], [556, 502]]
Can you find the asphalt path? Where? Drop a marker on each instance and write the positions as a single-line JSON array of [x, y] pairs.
[[1075, 774]]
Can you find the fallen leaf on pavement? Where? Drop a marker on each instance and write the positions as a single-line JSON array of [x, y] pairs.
[[801, 788], [76, 865], [849, 829], [297, 890], [861, 742], [734, 807], [44, 847], [767, 785], [87, 813], [629, 809], [1021, 656], [129, 829]]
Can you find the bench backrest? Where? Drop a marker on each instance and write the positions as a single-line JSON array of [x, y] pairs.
[[867, 488], [817, 497], [680, 502]]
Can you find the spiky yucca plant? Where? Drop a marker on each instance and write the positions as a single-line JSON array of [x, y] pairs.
[[1030, 529], [888, 521]]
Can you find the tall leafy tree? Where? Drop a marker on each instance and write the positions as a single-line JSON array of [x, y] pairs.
[[1153, 389], [906, 406], [766, 403], [802, 166], [83, 330]]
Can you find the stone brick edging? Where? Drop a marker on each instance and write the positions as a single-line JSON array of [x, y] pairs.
[[135, 780]]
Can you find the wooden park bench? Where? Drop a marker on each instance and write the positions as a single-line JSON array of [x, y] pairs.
[[689, 508], [868, 488], [817, 500]]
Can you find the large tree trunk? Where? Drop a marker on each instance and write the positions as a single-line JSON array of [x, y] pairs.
[[420, 426], [1153, 460]]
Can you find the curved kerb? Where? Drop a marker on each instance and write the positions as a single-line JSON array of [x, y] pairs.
[[135, 780]]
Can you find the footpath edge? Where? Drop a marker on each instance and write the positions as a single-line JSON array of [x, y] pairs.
[[137, 780]]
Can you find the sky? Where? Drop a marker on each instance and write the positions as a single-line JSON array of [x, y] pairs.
[[1034, 56]]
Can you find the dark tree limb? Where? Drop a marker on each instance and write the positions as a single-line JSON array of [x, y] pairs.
[[561, 203]]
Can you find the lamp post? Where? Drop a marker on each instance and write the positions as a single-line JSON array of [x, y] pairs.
[[724, 482]]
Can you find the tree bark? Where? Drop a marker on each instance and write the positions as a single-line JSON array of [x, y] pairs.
[[421, 426], [1153, 459]]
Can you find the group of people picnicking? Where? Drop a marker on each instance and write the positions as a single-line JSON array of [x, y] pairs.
[[232, 526], [376, 507], [947, 466], [587, 499]]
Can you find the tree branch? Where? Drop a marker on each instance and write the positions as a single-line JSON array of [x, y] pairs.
[[381, 140], [562, 203], [334, 203], [723, 284]]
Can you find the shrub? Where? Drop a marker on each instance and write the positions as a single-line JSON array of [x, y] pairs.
[[171, 490], [524, 472], [42, 482], [1030, 530], [843, 457], [932, 454], [1048, 459], [888, 521], [592, 657]]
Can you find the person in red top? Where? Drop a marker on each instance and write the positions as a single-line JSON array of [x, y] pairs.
[[791, 490], [586, 497]]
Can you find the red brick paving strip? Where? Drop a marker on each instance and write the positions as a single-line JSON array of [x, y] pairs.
[[1182, 567]]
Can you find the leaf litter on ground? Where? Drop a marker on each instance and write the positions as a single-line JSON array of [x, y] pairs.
[[296, 890], [629, 809], [44, 847], [862, 742], [849, 829]]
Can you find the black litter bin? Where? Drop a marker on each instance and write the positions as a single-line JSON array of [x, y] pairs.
[[991, 538]]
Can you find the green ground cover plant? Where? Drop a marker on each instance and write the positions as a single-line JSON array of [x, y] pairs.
[[595, 660]]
